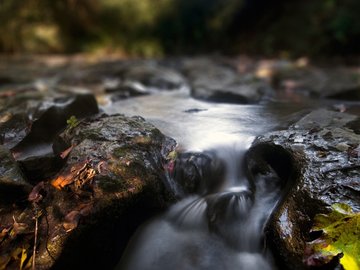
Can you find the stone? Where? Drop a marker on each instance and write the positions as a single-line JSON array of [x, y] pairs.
[[32, 126], [197, 173], [341, 83], [317, 175], [154, 77], [13, 184], [212, 81], [113, 179]]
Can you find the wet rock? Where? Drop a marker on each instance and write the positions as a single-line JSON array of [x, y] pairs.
[[13, 185], [197, 173], [122, 90], [142, 79], [338, 83], [212, 81], [16, 116], [39, 116], [31, 127], [317, 173], [113, 179], [154, 77]]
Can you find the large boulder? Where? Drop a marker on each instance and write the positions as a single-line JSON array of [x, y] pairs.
[[113, 179], [317, 159]]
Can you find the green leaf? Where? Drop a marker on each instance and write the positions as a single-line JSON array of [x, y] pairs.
[[340, 238], [72, 122]]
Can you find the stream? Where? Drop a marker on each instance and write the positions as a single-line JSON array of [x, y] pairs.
[[176, 164], [221, 229]]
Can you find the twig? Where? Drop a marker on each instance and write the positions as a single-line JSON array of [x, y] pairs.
[[35, 240], [47, 236]]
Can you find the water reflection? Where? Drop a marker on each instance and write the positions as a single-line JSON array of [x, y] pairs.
[[197, 125]]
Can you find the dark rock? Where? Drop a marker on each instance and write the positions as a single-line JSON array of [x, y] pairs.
[[319, 171], [32, 126], [16, 116], [39, 118], [142, 79], [125, 90], [338, 83], [198, 173], [195, 110], [113, 179], [13, 185], [154, 78], [214, 82]]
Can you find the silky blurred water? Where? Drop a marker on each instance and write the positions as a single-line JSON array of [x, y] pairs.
[[220, 230]]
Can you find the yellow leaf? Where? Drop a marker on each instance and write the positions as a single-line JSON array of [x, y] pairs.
[[23, 258], [340, 238]]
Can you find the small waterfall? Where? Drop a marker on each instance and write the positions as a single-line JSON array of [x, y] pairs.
[[222, 229], [219, 220]]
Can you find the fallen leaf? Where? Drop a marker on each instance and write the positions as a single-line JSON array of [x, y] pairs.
[[340, 238], [9, 93], [66, 152], [23, 258], [4, 232], [71, 220], [62, 180], [79, 174], [35, 195], [101, 167], [18, 228], [172, 155]]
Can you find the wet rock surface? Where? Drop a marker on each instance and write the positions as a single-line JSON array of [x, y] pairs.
[[85, 214], [197, 173], [13, 184], [319, 169], [31, 122]]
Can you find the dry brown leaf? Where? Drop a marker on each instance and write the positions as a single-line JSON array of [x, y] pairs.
[[62, 180], [4, 232], [6, 94], [18, 228], [71, 220], [79, 173], [66, 152], [35, 195]]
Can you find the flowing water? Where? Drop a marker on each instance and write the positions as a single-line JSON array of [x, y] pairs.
[[221, 229]]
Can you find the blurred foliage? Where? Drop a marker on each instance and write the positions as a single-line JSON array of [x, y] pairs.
[[162, 27]]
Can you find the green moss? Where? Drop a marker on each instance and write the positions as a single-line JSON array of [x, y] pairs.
[[111, 184]]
